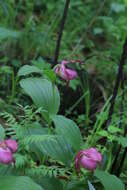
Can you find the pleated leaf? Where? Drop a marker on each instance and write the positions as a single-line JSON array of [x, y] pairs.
[[58, 149], [110, 182], [54, 146], [28, 69], [69, 130], [42, 93]]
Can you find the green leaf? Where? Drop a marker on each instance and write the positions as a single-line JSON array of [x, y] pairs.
[[110, 182], [113, 129], [123, 141], [2, 132], [69, 130], [59, 149], [117, 7], [41, 64], [50, 75], [18, 182], [77, 185], [42, 93], [54, 146], [7, 33], [73, 84], [98, 31], [51, 183], [28, 69], [6, 170], [91, 187], [125, 1], [103, 133], [35, 129], [6, 69]]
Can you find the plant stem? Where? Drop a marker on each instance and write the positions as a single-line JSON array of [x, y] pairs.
[[76, 103], [118, 78], [61, 32], [120, 125], [125, 150], [121, 162], [13, 87]]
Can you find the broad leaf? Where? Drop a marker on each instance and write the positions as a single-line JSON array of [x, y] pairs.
[[51, 183], [59, 149], [7, 33], [18, 183], [35, 129], [54, 146], [69, 130], [109, 181], [28, 69], [76, 185], [42, 93]]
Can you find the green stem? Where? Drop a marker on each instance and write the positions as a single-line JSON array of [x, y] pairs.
[[76, 103], [14, 81], [109, 158], [98, 124]]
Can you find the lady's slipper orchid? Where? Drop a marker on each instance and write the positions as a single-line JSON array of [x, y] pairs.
[[12, 145], [7, 148], [6, 156], [88, 159], [64, 72]]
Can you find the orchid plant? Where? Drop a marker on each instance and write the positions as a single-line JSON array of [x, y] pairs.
[[53, 144]]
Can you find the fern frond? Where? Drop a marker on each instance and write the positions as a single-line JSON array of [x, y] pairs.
[[20, 160], [50, 171], [10, 119]]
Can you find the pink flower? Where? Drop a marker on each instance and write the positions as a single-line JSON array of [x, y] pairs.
[[6, 156], [88, 159], [12, 145], [64, 72]]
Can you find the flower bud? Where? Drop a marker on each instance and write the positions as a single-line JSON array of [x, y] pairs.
[[88, 159], [64, 72], [12, 145], [6, 156]]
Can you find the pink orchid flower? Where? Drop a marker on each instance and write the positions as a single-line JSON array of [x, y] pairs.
[[12, 145], [7, 148], [6, 156], [88, 159], [64, 72]]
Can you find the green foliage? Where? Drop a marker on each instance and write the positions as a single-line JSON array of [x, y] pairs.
[[69, 130], [2, 132], [123, 141], [51, 183], [18, 182], [47, 142], [27, 69], [109, 181], [50, 145], [7, 33], [43, 93], [91, 187]]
